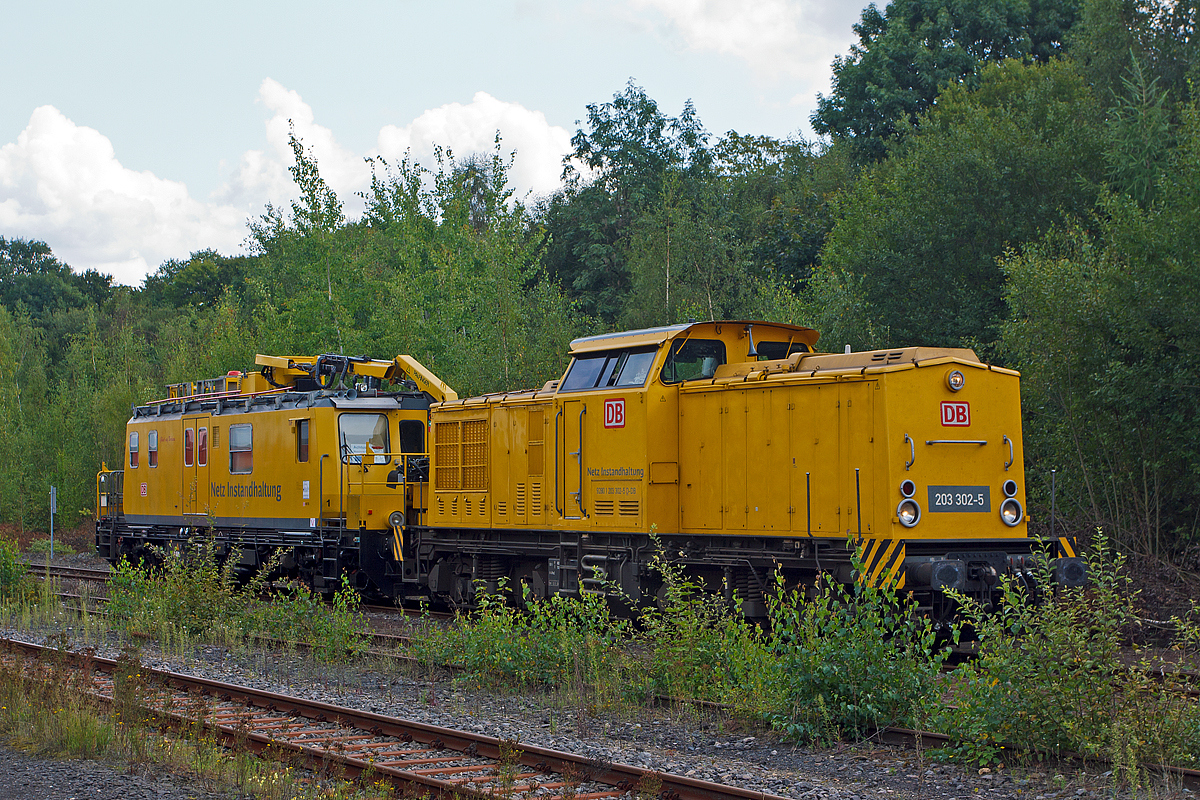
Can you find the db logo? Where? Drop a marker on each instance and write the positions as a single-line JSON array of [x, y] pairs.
[[956, 414], [614, 413], [143, 490]]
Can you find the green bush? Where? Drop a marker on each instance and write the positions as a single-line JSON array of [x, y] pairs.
[[853, 659], [188, 593], [335, 631], [559, 641], [41, 547], [700, 647], [1050, 678], [14, 579]]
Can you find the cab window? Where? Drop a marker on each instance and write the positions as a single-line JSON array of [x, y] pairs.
[[202, 447], [133, 450], [302, 440], [189, 447], [358, 431], [690, 359], [241, 449], [412, 436], [773, 351], [613, 368], [152, 448]]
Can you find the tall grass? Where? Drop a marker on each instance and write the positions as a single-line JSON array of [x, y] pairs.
[[193, 596]]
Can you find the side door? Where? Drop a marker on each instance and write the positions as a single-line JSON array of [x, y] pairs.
[[569, 460], [196, 465]]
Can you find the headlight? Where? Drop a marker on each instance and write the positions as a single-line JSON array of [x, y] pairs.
[[1009, 487], [396, 519], [909, 512], [908, 488], [1011, 512], [955, 380]]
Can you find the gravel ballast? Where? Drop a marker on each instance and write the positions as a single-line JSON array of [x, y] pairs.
[[683, 741]]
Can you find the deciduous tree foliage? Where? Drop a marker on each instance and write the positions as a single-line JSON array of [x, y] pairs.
[[913, 49], [614, 173], [912, 256], [1104, 328]]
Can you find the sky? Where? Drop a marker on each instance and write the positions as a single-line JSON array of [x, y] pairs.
[[133, 133]]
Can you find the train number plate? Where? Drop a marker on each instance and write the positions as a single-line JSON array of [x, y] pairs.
[[960, 498]]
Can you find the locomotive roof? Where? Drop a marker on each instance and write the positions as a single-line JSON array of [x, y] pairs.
[[279, 400], [649, 336]]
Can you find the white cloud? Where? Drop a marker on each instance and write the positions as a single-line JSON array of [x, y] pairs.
[[463, 129], [471, 128], [263, 176], [62, 183], [793, 40]]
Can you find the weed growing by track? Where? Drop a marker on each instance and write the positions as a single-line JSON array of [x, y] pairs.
[[851, 660], [14, 578], [554, 642], [47, 708], [1050, 678], [194, 596], [842, 661]]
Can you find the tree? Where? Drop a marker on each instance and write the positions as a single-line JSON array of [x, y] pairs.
[[31, 276], [1114, 39], [1103, 329], [198, 281], [613, 174], [915, 48], [912, 256]]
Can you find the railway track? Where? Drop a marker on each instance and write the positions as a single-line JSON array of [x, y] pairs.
[[411, 757], [68, 573]]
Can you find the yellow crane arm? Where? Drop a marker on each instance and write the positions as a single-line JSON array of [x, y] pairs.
[[426, 381], [287, 369]]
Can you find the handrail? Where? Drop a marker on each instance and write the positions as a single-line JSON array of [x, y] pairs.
[[1011, 456], [956, 441], [321, 485], [556, 506], [912, 452], [389, 465], [579, 452]]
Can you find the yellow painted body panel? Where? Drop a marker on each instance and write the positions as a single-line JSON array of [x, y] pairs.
[[279, 490], [812, 445]]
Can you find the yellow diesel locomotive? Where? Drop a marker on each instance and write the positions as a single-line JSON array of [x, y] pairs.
[[734, 444]]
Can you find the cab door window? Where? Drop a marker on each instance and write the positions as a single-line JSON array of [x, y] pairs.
[[152, 448], [360, 431], [189, 447], [693, 358]]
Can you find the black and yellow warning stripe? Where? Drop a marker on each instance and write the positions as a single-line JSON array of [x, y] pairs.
[[883, 563]]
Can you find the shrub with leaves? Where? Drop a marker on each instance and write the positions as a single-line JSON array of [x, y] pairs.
[[1050, 679], [559, 641], [853, 659], [188, 593], [701, 647], [14, 580], [335, 631]]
